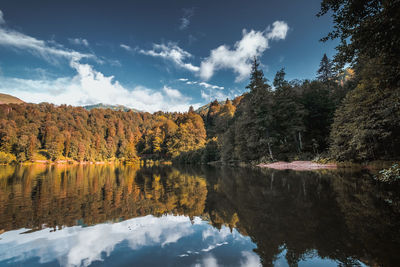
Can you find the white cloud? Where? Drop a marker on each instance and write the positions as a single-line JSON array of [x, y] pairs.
[[252, 44], [207, 85], [279, 30], [208, 261], [172, 93], [211, 91], [250, 259], [81, 246], [1, 17], [212, 95], [89, 86], [79, 41], [172, 52], [126, 47], [77, 246], [185, 20], [203, 84], [50, 51]]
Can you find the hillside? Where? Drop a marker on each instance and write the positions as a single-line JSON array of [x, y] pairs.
[[203, 110], [9, 99], [112, 107]]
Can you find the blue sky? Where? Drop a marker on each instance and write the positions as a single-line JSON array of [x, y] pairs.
[[153, 55]]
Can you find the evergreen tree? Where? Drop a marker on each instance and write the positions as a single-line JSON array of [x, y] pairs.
[[366, 125], [288, 115], [367, 29], [253, 119], [324, 72], [279, 80], [257, 79]]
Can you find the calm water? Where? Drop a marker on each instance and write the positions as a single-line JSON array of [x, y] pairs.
[[181, 216]]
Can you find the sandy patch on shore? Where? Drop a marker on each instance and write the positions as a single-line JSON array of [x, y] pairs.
[[297, 165]]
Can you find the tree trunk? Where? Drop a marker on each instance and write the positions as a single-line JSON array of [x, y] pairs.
[[300, 142], [270, 151]]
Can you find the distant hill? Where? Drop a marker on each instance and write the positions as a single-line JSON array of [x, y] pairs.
[[204, 109], [113, 107], [9, 99]]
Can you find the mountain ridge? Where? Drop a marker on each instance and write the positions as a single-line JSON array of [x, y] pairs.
[[9, 99]]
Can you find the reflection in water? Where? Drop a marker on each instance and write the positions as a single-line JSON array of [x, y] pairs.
[[155, 238], [169, 216]]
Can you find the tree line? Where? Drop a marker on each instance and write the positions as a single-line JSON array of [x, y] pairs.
[[48, 132], [284, 121]]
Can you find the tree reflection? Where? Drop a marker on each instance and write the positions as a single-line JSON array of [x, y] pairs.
[[37, 196], [339, 215]]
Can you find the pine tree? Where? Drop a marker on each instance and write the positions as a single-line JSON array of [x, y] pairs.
[[279, 80], [325, 72], [257, 79], [288, 114], [253, 119]]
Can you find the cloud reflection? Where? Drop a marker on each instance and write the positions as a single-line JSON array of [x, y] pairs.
[[81, 246]]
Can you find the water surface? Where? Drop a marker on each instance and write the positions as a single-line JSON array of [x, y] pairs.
[[195, 216]]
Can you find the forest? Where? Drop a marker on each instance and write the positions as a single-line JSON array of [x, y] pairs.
[[349, 112]]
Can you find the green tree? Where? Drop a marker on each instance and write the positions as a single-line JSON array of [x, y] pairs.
[[288, 114], [366, 125], [369, 29], [253, 119], [325, 73]]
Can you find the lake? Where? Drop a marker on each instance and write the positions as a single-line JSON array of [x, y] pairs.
[[113, 215]]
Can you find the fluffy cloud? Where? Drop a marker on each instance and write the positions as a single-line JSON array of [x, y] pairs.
[[172, 52], [79, 41], [250, 259], [89, 86], [238, 58], [218, 95], [279, 30], [253, 44]]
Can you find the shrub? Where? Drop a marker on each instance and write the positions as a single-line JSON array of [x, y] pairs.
[[389, 175]]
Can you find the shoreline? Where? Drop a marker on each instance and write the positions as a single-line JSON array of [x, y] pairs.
[[311, 165], [298, 165], [74, 162]]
